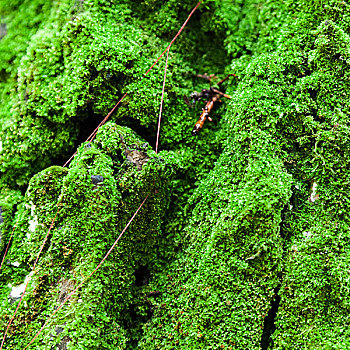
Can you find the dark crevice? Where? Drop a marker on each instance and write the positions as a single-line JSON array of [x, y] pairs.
[[142, 276], [148, 134], [88, 125], [269, 322]]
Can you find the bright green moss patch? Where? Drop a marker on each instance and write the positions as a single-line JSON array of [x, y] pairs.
[[315, 304], [255, 206], [224, 279], [93, 201]]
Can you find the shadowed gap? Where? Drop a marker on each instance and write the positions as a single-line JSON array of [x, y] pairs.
[[269, 322]]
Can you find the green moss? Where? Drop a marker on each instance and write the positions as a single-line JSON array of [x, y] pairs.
[[258, 201], [9, 200], [315, 288], [224, 279], [89, 217]]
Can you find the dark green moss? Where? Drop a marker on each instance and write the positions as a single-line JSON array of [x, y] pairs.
[[90, 216], [258, 200]]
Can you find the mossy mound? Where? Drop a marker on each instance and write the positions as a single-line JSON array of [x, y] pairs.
[[92, 202], [218, 290], [252, 253]]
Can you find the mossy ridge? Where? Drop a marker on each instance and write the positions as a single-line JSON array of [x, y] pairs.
[[77, 64], [23, 19], [20, 20], [65, 87], [305, 100], [285, 94], [50, 93], [286, 78], [90, 218], [218, 291], [314, 310]]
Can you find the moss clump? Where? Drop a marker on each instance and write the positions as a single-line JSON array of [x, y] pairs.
[[259, 204], [93, 201], [218, 291]]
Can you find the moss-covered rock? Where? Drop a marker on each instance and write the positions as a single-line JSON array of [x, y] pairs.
[[252, 253], [92, 202], [218, 291]]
